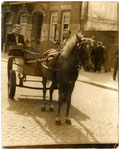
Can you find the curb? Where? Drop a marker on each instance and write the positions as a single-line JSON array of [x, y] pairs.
[[99, 85], [4, 60], [87, 82]]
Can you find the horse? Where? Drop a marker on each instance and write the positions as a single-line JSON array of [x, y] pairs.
[[62, 69]]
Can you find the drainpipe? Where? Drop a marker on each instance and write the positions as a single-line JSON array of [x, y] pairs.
[[84, 15]]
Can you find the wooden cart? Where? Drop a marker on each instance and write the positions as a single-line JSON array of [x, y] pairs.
[[29, 64]]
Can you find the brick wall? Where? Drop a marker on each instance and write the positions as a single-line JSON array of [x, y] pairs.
[[110, 38]]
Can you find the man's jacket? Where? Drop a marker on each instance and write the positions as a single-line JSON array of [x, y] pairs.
[[11, 40], [104, 53], [98, 52]]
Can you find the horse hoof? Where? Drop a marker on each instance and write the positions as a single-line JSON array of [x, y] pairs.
[[68, 121], [58, 122], [43, 109], [51, 109]]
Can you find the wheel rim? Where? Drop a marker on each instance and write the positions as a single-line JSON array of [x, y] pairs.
[[9, 86]]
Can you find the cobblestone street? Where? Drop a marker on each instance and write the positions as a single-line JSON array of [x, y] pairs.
[[63, 41], [94, 115]]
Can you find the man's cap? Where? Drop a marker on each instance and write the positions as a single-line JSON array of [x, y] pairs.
[[18, 25]]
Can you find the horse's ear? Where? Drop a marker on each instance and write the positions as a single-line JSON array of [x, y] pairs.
[[78, 38]]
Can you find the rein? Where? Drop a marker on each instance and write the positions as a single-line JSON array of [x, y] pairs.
[[41, 42], [50, 68]]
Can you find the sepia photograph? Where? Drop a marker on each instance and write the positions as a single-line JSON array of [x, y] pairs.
[[59, 74]]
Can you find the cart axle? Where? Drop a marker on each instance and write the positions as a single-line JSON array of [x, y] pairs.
[[32, 87]]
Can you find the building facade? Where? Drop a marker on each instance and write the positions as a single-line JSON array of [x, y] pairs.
[[47, 20], [41, 19]]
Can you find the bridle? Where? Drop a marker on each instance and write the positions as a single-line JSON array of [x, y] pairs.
[[79, 44]]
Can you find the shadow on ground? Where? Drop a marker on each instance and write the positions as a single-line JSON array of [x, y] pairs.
[[76, 133]]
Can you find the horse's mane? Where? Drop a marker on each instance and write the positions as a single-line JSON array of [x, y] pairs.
[[67, 49], [88, 39], [81, 36]]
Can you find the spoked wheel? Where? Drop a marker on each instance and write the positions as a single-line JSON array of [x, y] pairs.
[[12, 84]]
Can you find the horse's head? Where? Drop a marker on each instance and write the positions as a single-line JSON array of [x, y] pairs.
[[84, 50]]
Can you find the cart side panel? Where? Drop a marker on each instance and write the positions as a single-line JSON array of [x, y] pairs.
[[20, 63], [28, 69]]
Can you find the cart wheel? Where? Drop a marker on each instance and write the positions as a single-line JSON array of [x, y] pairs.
[[9, 66], [12, 84]]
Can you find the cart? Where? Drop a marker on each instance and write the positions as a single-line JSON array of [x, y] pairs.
[[29, 64]]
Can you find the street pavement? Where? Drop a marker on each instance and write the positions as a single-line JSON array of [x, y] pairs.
[[94, 113]]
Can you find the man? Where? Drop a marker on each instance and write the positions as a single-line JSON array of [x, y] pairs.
[[116, 64], [104, 57], [98, 56], [92, 52], [15, 38], [66, 36]]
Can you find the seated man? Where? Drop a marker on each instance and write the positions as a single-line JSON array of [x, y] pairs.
[[66, 36], [15, 38]]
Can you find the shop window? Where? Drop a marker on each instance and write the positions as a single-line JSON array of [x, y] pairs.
[[53, 24], [65, 22]]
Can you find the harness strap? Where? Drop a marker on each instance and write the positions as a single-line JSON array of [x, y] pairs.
[[86, 58], [50, 68]]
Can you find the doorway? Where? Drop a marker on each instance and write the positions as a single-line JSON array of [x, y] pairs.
[[6, 28], [37, 21]]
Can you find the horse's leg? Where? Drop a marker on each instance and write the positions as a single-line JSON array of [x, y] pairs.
[[51, 92], [68, 121], [44, 92], [58, 121], [68, 102]]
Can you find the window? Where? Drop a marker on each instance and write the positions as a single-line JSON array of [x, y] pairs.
[[8, 25], [65, 22], [23, 19], [53, 25]]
